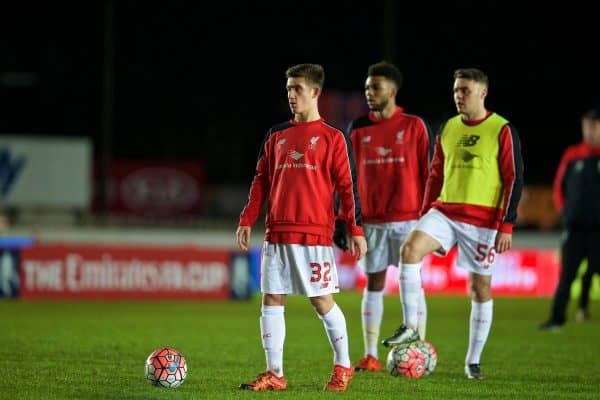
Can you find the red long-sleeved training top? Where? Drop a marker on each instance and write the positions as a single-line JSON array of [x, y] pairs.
[[392, 161], [300, 165]]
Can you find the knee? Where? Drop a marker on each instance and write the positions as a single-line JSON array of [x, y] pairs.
[[273, 299], [376, 281], [322, 304], [410, 253], [481, 291]]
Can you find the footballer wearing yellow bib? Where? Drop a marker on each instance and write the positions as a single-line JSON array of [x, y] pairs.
[[471, 199]]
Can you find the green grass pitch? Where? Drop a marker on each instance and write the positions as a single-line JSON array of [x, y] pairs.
[[97, 350]]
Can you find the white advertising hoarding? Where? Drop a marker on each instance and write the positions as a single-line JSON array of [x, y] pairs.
[[45, 171]]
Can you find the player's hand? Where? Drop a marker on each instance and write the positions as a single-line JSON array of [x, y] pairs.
[[503, 242], [243, 237], [340, 234], [358, 246]]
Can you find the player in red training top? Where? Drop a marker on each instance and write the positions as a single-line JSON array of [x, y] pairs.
[[392, 150], [300, 165], [471, 199]]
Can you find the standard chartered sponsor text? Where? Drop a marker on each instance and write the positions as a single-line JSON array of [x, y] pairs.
[[384, 160], [296, 165]]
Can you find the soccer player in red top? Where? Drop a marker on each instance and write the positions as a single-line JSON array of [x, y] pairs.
[[392, 150], [301, 163], [471, 199]]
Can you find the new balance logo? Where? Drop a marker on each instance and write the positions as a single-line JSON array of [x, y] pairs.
[[468, 140]]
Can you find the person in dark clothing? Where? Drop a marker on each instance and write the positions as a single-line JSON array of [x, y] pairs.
[[583, 313], [577, 197]]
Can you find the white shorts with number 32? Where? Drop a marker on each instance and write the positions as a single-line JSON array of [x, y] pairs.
[[298, 269]]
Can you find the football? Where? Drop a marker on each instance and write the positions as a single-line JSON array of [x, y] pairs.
[[431, 355], [166, 367], [406, 360]]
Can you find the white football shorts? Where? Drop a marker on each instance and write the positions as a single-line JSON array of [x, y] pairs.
[[383, 244], [476, 251], [298, 269]]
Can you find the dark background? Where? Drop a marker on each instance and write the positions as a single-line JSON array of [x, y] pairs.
[[205, 81]]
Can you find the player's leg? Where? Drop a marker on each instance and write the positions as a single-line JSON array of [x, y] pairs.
[[572, 253], [313, 273], [431, 233], [415, 248], [480, 322], [272, 322], [375, 265], [371, 316], [337, 333], [272, 330], [396, 242], [477, 255], [593, 255], [584, 297], [422, 315]]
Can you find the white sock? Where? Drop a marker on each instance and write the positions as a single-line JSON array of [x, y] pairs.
[[422, 315], [410, 289], [272, 330], [479, 328], [371, 313], [335, 326]]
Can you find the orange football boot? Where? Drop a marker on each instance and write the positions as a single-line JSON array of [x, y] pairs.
[[265, 381], [340, 378], [368, 363]]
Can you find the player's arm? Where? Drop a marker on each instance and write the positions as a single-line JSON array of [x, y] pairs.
[[243, 237], [425, 149], [340, 233], [558, 194], [435, 179], [259, 190], [345, 182], [510, 162]]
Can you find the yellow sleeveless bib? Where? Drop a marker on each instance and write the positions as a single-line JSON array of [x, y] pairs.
[[471, 170]]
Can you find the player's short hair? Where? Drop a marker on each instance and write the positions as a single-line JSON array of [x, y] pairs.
[[473, 74], [592, 113], [313, 73], [387, 70]]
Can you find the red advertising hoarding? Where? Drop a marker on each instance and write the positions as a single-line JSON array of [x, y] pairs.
[[153, 189], [519, 272], [124, 272]]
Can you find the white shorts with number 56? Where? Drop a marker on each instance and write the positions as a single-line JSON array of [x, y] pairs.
[[298, 269], [476, 251]]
